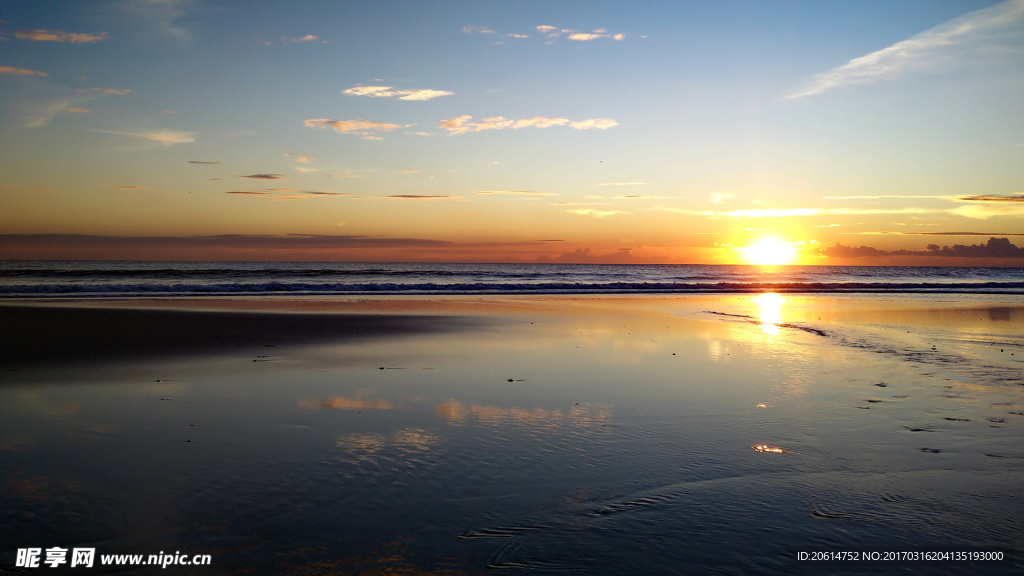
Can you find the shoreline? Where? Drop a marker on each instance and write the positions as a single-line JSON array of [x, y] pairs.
[[94, 330]]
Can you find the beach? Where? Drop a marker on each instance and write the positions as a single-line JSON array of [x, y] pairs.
[[543, 434]]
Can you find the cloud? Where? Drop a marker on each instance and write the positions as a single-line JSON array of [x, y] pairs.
[[350, 126], [409, 171], [242, 241], [586, 37], [464, 124], [717, 198], [477, 30], [162, 14], [106, 91], [994, 248], [264, 176], [546, 29], [76, 110], [285, 194], [623, 184], [132, 187], [517, 35], [992, 198], [20, 71], [165, 137], [641, 197], [306, 38], [204, 162], [586, 256], [596, 213], [348, 174], [422, 94], [599, 123], [58, 36], [419, 196], [944, 43], [516, 192], [299, 157], [540, 122]]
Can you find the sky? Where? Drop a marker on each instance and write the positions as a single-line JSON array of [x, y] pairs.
[[840, 132]]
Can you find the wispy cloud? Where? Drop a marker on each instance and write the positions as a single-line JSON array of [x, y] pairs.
[[20, 71], [132, 187], [299, 157], [286, 194], [363, 127], [477, 30], [76, 110], [516, 192], [162, 14], [596, 213], [306, 38], [264, 176], [165, 137], [204, 162], [106, 91], [420, 196], [463, 124], [242, 241], [348, 173], [421, 94], [948, 42], [59, 36]]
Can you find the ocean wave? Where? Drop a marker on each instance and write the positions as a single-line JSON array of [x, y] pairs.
[[358, 288]]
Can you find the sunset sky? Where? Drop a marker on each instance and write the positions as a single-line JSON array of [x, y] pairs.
[[846, 132]]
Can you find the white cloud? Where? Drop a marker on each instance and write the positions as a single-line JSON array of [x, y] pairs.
[[389, 92], [948, 42], [599, 123], [463, 124]]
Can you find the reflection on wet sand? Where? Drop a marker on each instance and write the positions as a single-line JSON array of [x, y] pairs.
[[581, 415]]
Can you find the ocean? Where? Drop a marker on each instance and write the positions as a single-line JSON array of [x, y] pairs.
[[25, 279]]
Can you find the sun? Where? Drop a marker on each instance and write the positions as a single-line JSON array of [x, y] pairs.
[[770, 252]]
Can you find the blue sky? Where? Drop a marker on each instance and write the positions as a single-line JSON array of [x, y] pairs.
[[648, 131]]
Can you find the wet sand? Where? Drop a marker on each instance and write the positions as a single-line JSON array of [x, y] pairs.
[[597, 435]]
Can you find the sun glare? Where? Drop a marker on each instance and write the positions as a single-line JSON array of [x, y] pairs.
[[770, 252]]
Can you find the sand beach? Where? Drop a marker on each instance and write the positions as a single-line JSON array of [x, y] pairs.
[[539, 434]]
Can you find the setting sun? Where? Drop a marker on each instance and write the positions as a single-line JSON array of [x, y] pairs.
[[769, 252]]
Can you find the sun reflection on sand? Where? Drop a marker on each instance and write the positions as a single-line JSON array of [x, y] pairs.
[[770, 313]]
